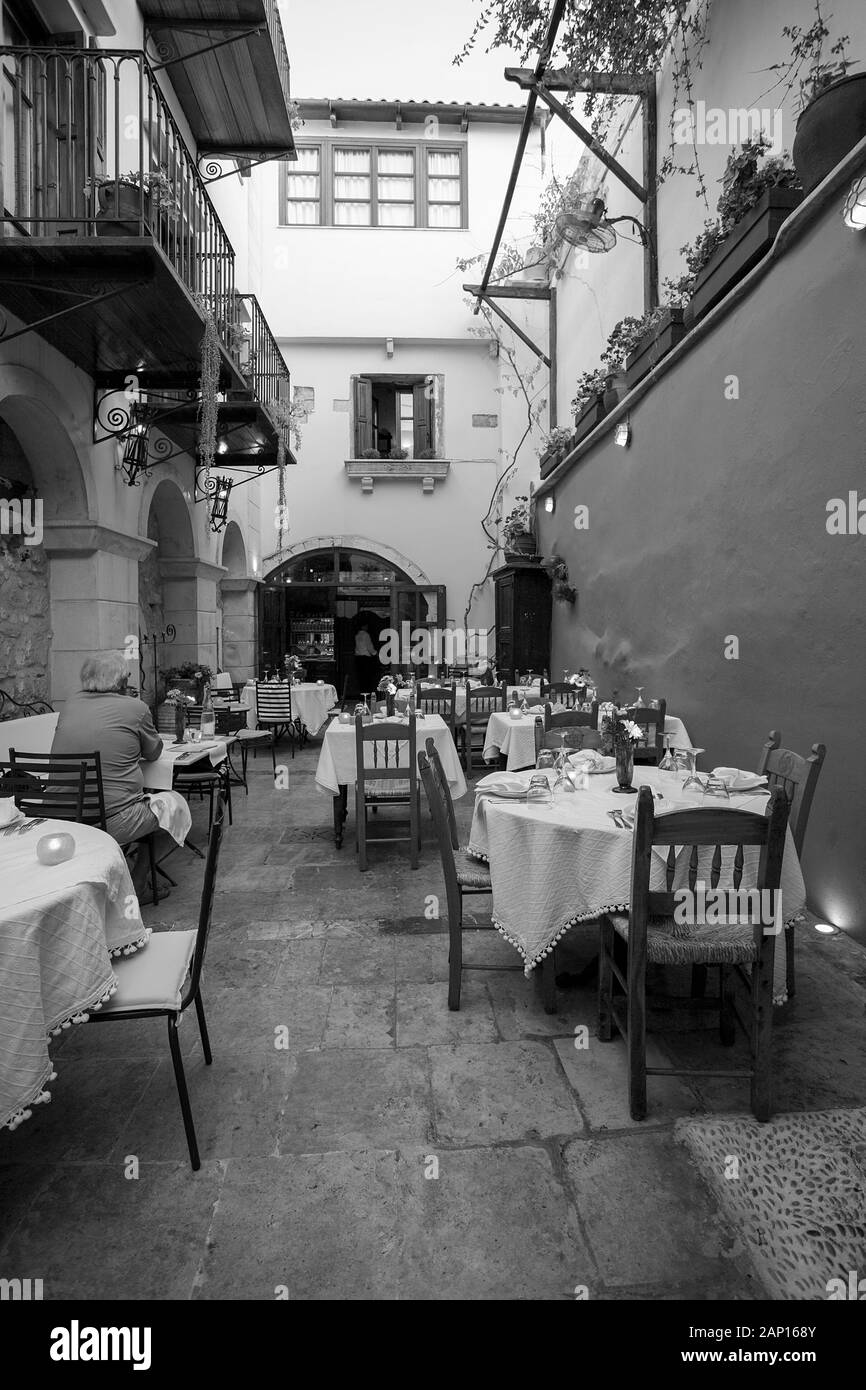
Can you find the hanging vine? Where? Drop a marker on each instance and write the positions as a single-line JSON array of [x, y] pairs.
[[286, 420], [208, 389]]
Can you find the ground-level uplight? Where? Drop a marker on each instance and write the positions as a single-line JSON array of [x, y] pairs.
[[825, 928]]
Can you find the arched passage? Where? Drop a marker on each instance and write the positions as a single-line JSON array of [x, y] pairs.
[[169, 589], [325, 588], [237, 608]]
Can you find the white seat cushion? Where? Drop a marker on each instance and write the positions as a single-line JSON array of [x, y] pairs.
[[153, 978]]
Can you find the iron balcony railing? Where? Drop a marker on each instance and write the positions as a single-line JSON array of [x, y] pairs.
[[91, 149], [281, 53], [263, 367]]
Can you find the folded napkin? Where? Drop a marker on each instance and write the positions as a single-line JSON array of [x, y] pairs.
[[588, 760], [501, 784], [9, 813], [739, 780]]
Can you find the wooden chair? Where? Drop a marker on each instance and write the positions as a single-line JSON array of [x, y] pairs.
[[481, 702], [55, 798], [651, 937], [390, 779], [562, 693], [576, 737], [162, 981], [441, 700], [570, 718], [274, 713], [652, 721], [798, 776]]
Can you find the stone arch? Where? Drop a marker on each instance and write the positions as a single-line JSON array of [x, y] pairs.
[[168, 520], [386, 552], [35, 411], [234, 551]]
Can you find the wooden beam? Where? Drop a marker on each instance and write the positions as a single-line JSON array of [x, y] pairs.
[[515, 328], [464, 121], [592, 144], [511, 291], [650, 167], [551, 347], [398, 116], [561, 80], [332, 115]]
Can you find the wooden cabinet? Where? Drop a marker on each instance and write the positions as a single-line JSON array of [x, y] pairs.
[[523, 604]]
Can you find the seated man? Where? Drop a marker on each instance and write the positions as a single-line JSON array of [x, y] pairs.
[[103, 719]]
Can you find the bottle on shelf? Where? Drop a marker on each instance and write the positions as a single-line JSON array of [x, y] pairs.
[[208, 718]]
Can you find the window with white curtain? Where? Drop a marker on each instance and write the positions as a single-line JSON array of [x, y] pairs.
[[343, 183]]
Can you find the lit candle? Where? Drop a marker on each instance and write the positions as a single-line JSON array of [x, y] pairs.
[[54, 849]]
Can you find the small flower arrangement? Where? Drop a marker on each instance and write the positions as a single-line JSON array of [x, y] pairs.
[[517, 521], [389, 685], [617, 733], [177, 698], [581, 677], [190, 671], [293, 664]]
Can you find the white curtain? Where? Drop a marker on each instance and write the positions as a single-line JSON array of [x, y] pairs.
[[397, 214], [302, 214], [352, 214], [351, 186], [443, 164], [396, 162], [302, 185], [352, 161], [443, 215]]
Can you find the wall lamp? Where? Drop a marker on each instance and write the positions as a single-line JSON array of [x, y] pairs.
[[550, 503], [854, 211], [622, 434]]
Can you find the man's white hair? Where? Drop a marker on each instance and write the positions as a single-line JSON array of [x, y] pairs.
[[106, 672]]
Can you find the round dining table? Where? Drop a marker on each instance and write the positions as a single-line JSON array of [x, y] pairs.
[[312, 702], [514, 739], [60, 924], [554, 865]]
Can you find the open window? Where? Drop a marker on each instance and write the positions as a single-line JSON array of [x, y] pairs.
[[397, 415]]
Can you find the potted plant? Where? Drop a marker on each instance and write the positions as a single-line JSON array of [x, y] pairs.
[[553, 446], [179, 702], [831, 104], [398, 454], [563, 592], [130, 196], [190, 678], [756, 199], [588, 403], [651, 338], [370, 454], [517, 537]]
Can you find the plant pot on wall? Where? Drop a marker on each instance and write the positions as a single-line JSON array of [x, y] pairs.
[[520, 546], [591, 415], [614, 390], [749, 241], [655, 345], [129, 205], [829, 128]]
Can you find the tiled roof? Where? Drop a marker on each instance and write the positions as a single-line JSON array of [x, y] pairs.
[[412, 109]]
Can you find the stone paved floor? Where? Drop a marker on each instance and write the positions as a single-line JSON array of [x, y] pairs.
[[319, 1161]]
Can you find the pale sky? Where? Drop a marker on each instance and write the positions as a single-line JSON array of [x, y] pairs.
[[399, 49]]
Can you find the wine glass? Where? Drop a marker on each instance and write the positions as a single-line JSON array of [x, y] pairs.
[[546, 760], [668, 762], [693, 780], [524, 707], [561, 760], [565, 675], [639, 702]]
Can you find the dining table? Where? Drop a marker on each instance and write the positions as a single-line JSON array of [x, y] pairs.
[[312, 702], [514, 739], [554, 865], [337, 767], [532, 692], [60, 925]]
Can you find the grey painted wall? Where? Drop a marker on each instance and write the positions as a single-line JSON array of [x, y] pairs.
[[714, 523]]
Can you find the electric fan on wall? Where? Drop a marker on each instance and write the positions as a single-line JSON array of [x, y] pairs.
[[586, 225]]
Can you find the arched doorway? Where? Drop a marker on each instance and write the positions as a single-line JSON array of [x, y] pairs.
[[168, 587], [25, 613], [314, 603], [236, 609]]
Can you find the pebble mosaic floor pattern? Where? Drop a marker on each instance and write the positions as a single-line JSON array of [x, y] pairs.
[[796, 1194]]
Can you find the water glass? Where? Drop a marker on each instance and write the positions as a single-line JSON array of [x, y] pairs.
[[539, 789]]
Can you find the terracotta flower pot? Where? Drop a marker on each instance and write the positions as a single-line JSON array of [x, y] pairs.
[[830, 126]]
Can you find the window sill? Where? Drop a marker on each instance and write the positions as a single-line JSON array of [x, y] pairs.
[[426, 471]]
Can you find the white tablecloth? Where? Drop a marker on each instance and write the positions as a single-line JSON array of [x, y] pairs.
[[311, 703], [159, 774], [59, 925], [553, 866], [514, 739], [35, 734], [337, 766], [530, 691]]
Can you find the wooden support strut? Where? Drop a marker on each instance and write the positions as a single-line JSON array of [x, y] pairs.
[[515, 328], [592, 143]]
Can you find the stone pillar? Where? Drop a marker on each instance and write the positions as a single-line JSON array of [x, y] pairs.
[[240, 601], [93, 580], [189, 588]]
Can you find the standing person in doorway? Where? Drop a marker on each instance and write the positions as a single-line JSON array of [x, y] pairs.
[[367, 665]]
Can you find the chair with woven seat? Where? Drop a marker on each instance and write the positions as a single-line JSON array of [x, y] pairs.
[[798, 776], [481, 702], [441, 700], [389, 778], [651, 934], [652, 720], [57, 772], [163, 979], [577, 736]]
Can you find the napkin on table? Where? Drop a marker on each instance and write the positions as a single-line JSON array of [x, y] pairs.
[[740, 780], [9, 812]]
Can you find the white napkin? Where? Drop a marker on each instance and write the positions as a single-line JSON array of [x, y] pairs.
[[9, 813], [501, 784], [588, 760], [739, 780]]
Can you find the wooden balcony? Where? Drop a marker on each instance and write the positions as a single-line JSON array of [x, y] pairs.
[[228, 64], [111, 248]]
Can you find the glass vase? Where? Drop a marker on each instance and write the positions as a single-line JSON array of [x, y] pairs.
[[389, 706], [624, 754], [179, 723]]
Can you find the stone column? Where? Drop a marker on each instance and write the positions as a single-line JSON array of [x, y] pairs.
[[240, 602], [189, 588], [93, 580]]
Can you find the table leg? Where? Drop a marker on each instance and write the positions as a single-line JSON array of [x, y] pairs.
[[340, 813]]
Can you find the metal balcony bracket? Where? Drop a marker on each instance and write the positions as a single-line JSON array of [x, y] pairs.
[[164, 49], [36, 327], [116, 420], [488, 299], [208, 164]]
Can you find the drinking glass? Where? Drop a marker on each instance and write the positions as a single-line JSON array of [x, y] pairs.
[[669, 761], [546, 759], [565, 674], [539, 789], [639, 702], [693, 780], [714, 786]]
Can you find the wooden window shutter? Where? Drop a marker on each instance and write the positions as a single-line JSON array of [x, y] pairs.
[[422, 416], [362, 396]]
